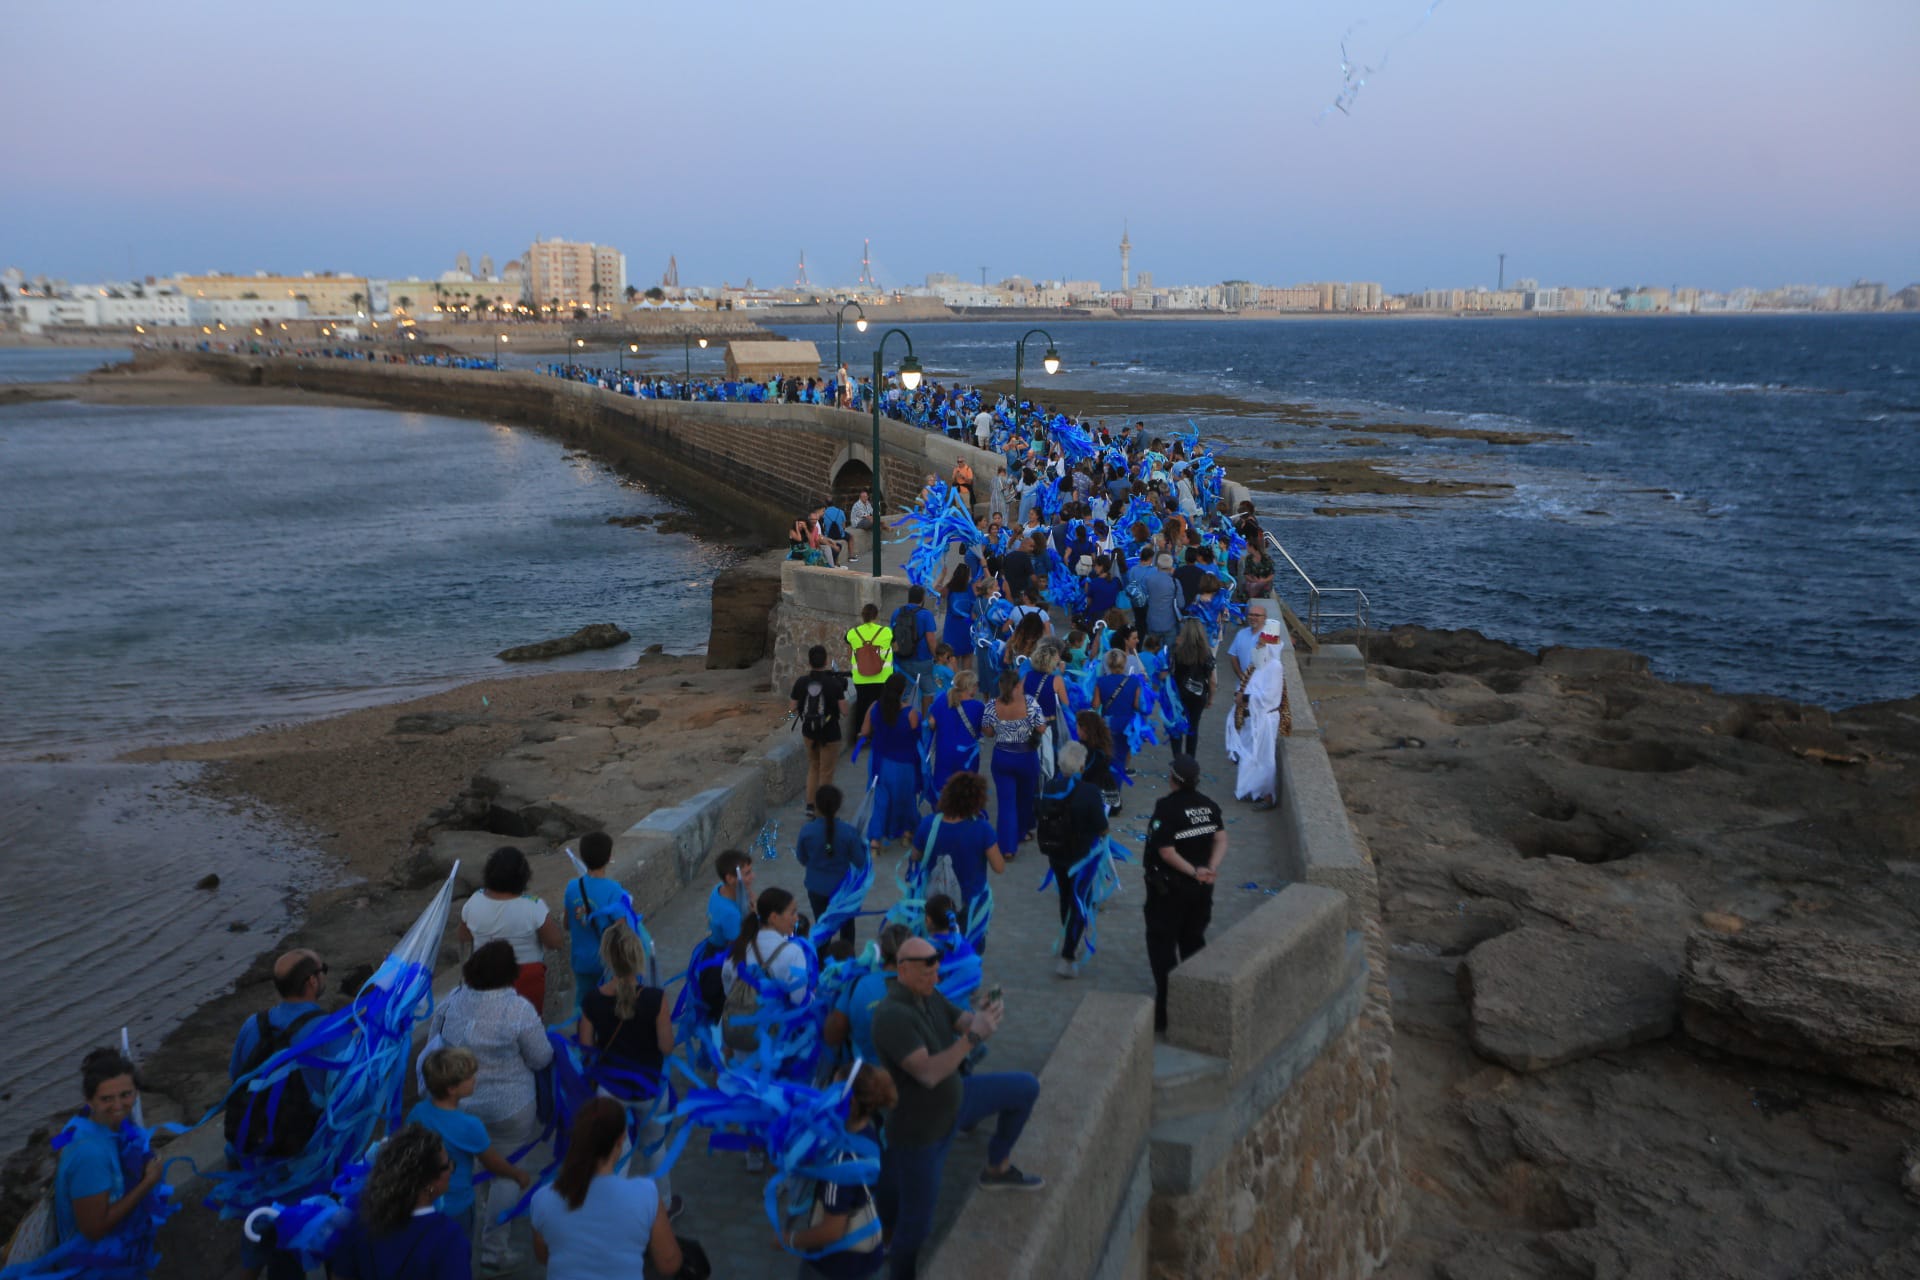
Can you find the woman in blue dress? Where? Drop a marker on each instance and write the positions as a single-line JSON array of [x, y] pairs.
[[892, 733], [956, 730], [1014, 725], [957, 631], [1045, 686]]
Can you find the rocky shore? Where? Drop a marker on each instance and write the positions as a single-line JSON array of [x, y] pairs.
[[1654, 960]]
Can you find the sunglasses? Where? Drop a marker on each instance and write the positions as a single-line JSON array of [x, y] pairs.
[[926, 960]]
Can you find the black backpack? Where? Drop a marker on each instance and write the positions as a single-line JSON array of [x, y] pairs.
[[813, 711], [906, 632], [277, 1120], [1054, 829]]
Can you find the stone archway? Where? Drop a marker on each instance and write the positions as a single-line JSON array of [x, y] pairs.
[[850, 474]]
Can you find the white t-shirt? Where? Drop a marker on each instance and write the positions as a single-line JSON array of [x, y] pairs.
[[518, 920], [983, 428], [784, 964]]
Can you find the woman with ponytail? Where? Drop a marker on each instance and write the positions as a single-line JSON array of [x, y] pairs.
[[631, 1026], [766, 946], [398, 1234], [829, 849], [592, 1224], [839, 1212]]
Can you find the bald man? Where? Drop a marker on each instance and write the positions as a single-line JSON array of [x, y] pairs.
[[300, 977], [922, 1038]]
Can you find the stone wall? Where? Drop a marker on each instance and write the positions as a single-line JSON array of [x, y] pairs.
[[818, 606], [757, 466]]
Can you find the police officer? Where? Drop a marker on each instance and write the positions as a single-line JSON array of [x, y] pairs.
[[1186, 841]]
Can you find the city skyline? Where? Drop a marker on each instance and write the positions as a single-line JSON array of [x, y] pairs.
[[1638, 144]]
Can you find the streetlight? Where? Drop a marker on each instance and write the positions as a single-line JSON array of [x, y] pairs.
[[910, 380], [686, 351], [498, 338], [631, 346], [1050, 362], [580, 345], [839, 318]]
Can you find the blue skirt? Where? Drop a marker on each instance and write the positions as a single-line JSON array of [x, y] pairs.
[[896, 804]]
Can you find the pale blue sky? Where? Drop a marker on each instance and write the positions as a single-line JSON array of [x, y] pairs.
[[1608, 142]]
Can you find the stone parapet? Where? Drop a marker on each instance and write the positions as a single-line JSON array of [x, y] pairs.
[[1091, 1120], [819, 606]]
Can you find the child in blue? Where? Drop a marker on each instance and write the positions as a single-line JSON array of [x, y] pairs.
[[589, 903], [450, 1075], [829, 848], [1119, 702]]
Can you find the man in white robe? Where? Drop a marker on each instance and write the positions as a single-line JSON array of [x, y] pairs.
[[1251, 745]]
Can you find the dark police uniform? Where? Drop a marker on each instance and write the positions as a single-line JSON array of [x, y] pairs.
[[1179, 907]]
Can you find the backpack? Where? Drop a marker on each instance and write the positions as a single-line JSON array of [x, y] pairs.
[[941, 877], [1136, 595], [275, 1120], [743, 999], [813, 712], [1053, 831], [906, 635], [867, 658]]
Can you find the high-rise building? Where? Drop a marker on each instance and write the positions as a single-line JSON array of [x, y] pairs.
[[1126, 257], [563, 274]]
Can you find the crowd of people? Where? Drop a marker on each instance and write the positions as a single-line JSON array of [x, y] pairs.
[[1036, 669]]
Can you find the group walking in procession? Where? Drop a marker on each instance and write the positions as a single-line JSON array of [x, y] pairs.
[[1056, 662]]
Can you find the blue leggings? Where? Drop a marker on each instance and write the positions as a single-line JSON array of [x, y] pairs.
[[1016, 783]]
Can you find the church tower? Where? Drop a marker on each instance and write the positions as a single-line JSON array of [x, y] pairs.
[[1126, 253]]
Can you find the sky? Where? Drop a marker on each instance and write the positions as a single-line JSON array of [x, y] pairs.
[[1600, 143]]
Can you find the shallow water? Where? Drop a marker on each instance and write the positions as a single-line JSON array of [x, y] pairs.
[[176, 574]]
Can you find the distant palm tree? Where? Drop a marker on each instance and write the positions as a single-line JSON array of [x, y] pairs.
[[595, 289], [657, 294], [633, 291], [356, 299], [406, 303]]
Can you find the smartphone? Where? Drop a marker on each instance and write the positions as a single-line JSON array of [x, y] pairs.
[[994, 994]]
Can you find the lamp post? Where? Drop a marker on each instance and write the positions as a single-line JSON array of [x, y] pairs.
[[910, 381], [631, 346], [498, 338], [1050, 362], [579, 348], [839, 318], [686, 351]]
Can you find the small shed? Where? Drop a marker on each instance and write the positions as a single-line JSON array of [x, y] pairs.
[[763, 359]]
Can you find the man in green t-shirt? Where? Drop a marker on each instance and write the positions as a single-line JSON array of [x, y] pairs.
[[922, 1039], [871, 661]]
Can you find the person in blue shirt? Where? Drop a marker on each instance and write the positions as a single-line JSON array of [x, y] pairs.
[[728, 904], [398, 1234], [957, 631], [961, 832], [93, 1192], [892, 733], [915, 663], [956, 729], [829, 848], [1118, 693], [834, 521], [450, 1075], [589, 905], [871, 989]]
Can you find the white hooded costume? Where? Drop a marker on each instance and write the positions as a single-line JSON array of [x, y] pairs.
[[1252, 746]]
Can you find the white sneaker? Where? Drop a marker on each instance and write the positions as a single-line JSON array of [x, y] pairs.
[[1066, 969]]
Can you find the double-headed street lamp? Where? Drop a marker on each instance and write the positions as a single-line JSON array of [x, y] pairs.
[[909, 381], [1050, 362], [686, 350], [839, 318]]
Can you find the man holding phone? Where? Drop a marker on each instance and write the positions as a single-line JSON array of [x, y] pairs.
[[922, 1038]]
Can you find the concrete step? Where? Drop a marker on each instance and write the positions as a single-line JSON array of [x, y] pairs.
[[1185, 1082], [1334, 665]]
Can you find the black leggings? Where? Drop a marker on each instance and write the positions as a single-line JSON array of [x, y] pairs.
[[1188, 743], [1070, 914]]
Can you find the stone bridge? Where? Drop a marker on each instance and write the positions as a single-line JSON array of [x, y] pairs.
[[755, 465]]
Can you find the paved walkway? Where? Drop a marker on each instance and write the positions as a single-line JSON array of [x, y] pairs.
[[724, 1202]]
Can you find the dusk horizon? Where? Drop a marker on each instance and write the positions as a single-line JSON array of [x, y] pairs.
[[1629, 147]]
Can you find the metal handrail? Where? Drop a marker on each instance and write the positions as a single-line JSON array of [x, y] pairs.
[[1360, 614]]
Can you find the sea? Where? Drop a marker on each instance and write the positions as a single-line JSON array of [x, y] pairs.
[[1738, 498], [187, 573]]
